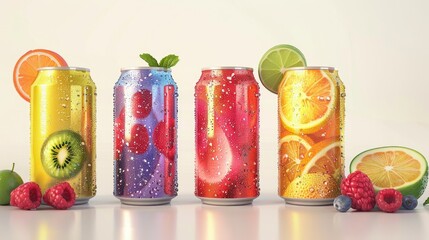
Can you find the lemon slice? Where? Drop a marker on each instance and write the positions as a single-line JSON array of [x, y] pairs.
[[395, 167], [274, 63]]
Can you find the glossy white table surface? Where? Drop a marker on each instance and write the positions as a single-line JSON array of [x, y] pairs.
[[186, 218]]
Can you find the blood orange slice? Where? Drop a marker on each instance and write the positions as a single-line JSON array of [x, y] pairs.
[[25, 71]]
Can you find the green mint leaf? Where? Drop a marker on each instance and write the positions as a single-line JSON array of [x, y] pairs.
[[163, 62], [149, 59], [169, 61], [426, 202]]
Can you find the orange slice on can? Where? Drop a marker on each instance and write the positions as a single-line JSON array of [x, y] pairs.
[[25, 71], [307, 100], [325, 157], [292, 151]]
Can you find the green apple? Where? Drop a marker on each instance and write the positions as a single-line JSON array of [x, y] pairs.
[[9, 180]]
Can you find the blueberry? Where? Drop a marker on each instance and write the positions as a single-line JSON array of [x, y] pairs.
[[409, 202], [342, 203]]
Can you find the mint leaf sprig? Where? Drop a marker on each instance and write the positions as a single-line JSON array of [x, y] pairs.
[[149, 59], [168, 61]]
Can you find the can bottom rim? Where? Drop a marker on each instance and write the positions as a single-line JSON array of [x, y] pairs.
[[144, 201], [227, 201], [309, 202]]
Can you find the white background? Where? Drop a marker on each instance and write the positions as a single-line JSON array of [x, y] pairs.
[[380, 48]]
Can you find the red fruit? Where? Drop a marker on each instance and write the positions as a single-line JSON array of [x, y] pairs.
[[141, 103], [389, 200], [139, 139], [27, 196], [119, 134], [164, 138], [359, 188], [60, 196]]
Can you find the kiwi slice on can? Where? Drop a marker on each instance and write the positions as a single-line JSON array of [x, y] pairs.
[[63, 154]]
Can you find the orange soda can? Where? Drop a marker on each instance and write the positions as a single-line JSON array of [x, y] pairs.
[[311, 127]]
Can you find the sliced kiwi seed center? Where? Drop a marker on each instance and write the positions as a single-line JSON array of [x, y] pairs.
[[62, 154]]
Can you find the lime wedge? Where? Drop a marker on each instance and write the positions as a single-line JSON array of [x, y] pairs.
[[274, 62], [401, 168]]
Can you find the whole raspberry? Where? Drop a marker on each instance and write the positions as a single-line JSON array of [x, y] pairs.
[[389, 200], [60, 196], [359, 188], [27, 196]]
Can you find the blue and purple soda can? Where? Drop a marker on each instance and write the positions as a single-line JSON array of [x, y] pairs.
[[145, 136]]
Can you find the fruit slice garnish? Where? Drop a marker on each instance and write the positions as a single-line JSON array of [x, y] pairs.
[[325, 157], [141, 103], [293, 150], [25, 71], [401, 168], [274, 63], [306, 100]]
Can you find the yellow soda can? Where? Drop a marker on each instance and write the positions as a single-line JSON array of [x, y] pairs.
[[62, 130], [311, 104]]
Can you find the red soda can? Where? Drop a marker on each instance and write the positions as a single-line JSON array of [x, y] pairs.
[[227, 136]]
